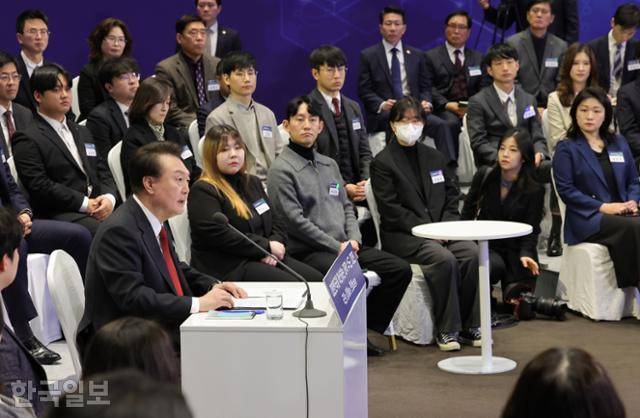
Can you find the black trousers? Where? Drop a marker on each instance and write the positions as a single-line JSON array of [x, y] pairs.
[[451, 272], [455, 125], [256, 271], [441, 132], [506, 268], [395, 275], [87, 221]]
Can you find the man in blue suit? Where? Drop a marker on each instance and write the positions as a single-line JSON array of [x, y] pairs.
[[389, 71]]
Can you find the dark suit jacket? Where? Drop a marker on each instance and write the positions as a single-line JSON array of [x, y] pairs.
[[328, 142], [228, 40], [402, 203], [483, 203], [22, 118], [25, 94], [442, 72], [53, 179], [216, 249], [536, 78], [375, 85], [107, 125], [127, 276], [600, 48], [175, 70], [10, 194], [628, 115], [582, 186], [90, 92], [565, 26], [487, 122], [140, 134], [203, 111]]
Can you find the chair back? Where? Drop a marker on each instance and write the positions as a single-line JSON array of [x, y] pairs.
[[75, 104], [181, 232], [373, 209], [115, 166], [194, 138], [466, 161]]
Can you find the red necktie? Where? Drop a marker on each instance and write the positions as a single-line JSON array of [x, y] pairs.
[[173, 273], [336, 106], [11, 129]]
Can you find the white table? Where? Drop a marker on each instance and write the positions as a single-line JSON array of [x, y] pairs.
[[255, 368], [481, 231]]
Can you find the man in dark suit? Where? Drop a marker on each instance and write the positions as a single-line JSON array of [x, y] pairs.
[[221, 92], [190, 72], [57, 160], [109, 121], [413, 186], [502, 106], [539, 52], [455, 69], [220, 40], [616, 52], [133, 269], [390, 70], [32, 32], [628, 116], [12, 115], [20, 374], [566, 24]]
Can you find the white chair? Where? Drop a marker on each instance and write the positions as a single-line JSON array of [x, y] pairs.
[[377, 142], [46, 325], [194, 137], [199, 145], [284, 135], [588, 281], [67, 292], [115, 166], [181, 231], [413, 319], [466, 162], [75, 104]]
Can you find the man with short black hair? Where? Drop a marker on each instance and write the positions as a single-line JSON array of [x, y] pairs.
[[109, 121], [190, 72], [220, 40]]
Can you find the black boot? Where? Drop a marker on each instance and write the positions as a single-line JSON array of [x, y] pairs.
[[554, 244]]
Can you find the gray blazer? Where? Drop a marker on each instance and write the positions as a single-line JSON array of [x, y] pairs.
[[487, 122], [538, 78], [176, 72], [300, 193], [22, 118]]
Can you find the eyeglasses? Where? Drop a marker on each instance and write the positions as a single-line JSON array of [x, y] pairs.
[[453, 26], [129, 77], [193, 33], [202, 5], [541, 10], [245, 73], [335, 70], [116, 40], [34, 32], [6, 77]]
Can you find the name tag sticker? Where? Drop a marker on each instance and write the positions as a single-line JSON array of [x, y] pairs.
[[551, 63], [633, 65], [90, 149], [529, 112], [186, 153], [261, 206], [213, 85], [474, 71], [267, 132], [334, 189], [437, 177], [4, 159], [616, 157], [355, 123]]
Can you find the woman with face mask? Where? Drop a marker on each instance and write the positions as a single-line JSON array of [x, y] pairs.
[[412, 186], [508, 191]]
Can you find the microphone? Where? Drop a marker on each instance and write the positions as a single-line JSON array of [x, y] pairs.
[[308, 311]]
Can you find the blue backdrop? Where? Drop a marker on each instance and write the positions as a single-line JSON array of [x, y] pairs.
[[281, 33]]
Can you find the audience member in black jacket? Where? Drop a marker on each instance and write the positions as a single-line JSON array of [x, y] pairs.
[[508, 192], [226, 187]]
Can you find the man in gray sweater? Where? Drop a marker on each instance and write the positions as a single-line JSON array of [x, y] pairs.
[[308, 192]]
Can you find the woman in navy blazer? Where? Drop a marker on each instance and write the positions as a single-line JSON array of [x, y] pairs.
[[597, 179]]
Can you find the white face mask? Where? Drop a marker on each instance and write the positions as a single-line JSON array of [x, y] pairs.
[[409, 133]]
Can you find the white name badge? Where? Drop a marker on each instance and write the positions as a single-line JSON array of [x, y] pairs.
[[616, 157], [475, 71], [267, 132], [437, 177], [90, 149], [529, 112], [633, 65], [261, 206], [4, 159], [355, 124], [551, 63], [186, 153], [213, 85], [334, 189]]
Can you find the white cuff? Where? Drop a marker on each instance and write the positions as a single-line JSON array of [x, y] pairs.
[[195, 305], [85, 205]]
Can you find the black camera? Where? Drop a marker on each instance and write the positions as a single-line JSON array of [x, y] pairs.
[[528, 305]]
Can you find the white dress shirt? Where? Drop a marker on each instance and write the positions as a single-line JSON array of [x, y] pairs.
[[451, 51], [30, 64], [511, 109], [329, 101], [403, 73], [615, 84], [125, 112], [5, 128], [212, 35]]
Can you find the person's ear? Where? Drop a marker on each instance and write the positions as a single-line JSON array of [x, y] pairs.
[[147, 183], [285, 124], [315, 73]]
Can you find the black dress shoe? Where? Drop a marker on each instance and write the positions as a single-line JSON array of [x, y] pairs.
[[554, 246], [373, 350], [40, 352]]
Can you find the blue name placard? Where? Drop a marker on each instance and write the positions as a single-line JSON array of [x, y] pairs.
[[344, 281]]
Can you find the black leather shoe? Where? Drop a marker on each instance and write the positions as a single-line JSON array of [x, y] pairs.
[[374, 350], [40, 352], [554, 246]]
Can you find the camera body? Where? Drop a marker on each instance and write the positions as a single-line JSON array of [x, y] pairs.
[[527, 306]]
